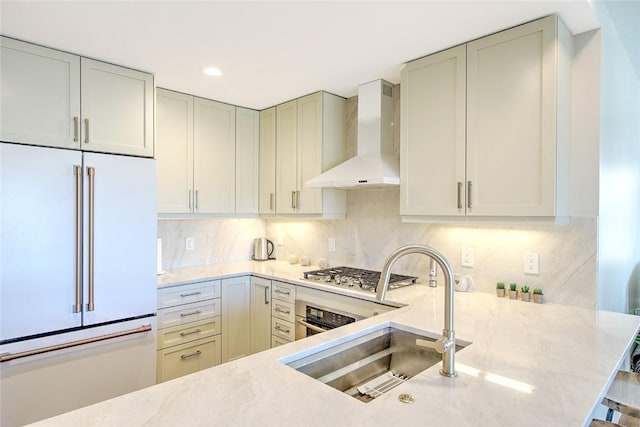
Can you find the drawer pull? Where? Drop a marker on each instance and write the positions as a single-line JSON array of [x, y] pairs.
[[279, 310], [281, 329], [184, 334], [190, 294], [193, 313], [195, 353], [285, 292]]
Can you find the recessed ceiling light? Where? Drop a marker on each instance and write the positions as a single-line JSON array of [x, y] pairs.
[[212, 71]]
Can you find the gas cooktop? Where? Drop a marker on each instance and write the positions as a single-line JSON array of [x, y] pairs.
[[350, 277]]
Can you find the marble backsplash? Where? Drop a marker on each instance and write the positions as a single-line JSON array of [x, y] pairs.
[[373, 229]]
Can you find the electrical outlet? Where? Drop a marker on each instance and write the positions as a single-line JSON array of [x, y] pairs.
[[280, 239], [189, 243], [531, 263], [332, 244], [467, 257]]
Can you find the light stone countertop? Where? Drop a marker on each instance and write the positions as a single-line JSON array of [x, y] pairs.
[[528, 365]]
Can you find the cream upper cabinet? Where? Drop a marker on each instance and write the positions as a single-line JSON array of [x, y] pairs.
[[214, 157], [432, 153], [174, 151], [40, 95], [43, 91], [267, 195], [310, 139], [117, 109], [516, 112], [247, 160]]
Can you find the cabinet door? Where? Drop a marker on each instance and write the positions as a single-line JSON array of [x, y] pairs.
[[268, 161], [125, 237], [37, 240], [214, 157], [511, 113], [260, 314], [247, 160], [236, 318], [309, 154], [117, 109], [286, 157], [40, 96], [174, 151], [433, 135]]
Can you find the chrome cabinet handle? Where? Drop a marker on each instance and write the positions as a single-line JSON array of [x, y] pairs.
[[271, 201], [285, 292], [196, 201], [91, 172], [77, 171], [190, 200], [266, 295], [293, 200], [281, 329], [184, 334], [297, 200], [195, 353], [86, 131], [190, 294], [279, 310], [469, 194], [193, 313], [459, 195], [310, 326], [75, 129]]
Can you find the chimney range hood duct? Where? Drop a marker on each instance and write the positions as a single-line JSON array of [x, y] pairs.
[[375, 164]]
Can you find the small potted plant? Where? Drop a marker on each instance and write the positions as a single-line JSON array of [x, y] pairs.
[[525, 294], [500, 289], [537, 295], [513, 293]]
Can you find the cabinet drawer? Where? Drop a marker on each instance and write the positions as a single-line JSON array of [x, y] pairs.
[[283, 310], [283, 291], [283, 329], [185, 294], [183, 314], [277, 341], [188, 358], [182, 334]]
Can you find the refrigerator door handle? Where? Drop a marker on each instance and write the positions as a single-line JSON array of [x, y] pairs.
[[7, 357], [77, 308], [91, 172]]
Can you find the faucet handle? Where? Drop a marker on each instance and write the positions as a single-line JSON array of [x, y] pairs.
[[440, 345]]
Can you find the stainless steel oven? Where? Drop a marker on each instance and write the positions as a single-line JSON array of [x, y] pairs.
[[312, 318]]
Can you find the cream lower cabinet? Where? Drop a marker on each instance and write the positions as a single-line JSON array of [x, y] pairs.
[[260, 314], [283, 315], [485, 127], [189, 329], [310, 139], [45, 102]]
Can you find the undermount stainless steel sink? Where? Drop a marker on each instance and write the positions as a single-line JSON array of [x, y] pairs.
[[366, 366]]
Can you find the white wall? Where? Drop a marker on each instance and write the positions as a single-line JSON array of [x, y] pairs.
[[619, 222]]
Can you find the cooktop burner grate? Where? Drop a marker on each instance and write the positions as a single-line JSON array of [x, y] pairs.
[[350, 277]]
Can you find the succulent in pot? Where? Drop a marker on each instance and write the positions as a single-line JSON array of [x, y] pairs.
[[513, 293], [500, 289], [525, 294], [537, 295]]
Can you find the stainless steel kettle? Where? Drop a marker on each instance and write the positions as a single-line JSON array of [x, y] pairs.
[[261, 250]]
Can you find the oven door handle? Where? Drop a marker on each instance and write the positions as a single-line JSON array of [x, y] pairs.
[[310, 326]]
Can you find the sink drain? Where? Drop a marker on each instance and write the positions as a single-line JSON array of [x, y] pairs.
[[406, 398]]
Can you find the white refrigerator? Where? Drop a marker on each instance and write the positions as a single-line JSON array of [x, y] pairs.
[[77, 279]]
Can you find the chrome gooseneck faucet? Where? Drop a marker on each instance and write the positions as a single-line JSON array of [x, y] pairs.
[[447, 343]]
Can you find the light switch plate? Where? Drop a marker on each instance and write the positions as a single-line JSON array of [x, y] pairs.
[[467, 257], [332, 244], [531, 263], [189, 244]]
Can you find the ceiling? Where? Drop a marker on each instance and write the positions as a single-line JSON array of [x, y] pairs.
[[270, 52]]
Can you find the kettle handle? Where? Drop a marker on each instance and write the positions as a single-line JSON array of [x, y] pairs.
[[269, 252]]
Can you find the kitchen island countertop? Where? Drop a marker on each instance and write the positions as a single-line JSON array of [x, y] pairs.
[[527, 365]]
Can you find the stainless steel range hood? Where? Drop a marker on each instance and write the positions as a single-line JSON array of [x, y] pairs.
[[374, 165]]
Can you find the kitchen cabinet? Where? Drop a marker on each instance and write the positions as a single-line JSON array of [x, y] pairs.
[[267, 197], [485, 125], [236, 318], [57, 99], [260, 314], [190, 327], [283, 297], [247, 158], [208, 157], [310, 139]]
